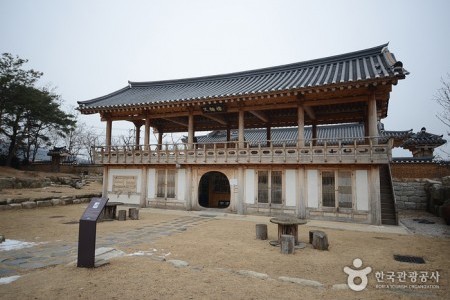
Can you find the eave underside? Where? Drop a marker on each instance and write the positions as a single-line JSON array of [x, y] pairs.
[[342, 105]]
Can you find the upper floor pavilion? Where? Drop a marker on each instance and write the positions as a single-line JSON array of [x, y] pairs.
[[348, 88]]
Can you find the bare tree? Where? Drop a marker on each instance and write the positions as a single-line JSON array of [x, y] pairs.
[[89, 139], [442, 97], [127, 139]]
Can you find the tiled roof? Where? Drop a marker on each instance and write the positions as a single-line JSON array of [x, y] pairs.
[[424, 138], [353, 68], [346, 133]]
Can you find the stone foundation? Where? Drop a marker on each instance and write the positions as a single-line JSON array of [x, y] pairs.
[[410, 194]]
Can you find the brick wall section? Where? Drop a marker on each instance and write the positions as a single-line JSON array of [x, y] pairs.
[[410, 194], [419, 170], [409, 181]]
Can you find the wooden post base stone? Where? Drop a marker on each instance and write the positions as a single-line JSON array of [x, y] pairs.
[[319, 240], [122, 215], [133, 213], [261, 231], [287, 244]]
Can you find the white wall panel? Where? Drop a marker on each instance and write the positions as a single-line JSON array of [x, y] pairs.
[[362, 190], [181, 182], [151, 183], [250, 186], [313, 188], [291, 187]]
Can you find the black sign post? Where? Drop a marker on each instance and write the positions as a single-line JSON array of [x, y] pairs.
[[87, 233]]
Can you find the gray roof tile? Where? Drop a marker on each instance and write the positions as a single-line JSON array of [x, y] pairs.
[[346, 133], [368, 64]]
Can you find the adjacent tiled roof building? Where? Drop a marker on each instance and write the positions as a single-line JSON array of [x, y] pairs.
[[332, 134]]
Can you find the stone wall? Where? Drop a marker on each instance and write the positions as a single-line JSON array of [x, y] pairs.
[[410, 194], [86, 169]]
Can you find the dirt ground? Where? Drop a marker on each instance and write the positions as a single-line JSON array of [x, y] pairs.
[[216, 251]]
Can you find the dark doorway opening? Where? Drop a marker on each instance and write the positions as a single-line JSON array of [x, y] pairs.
[[214, 190]]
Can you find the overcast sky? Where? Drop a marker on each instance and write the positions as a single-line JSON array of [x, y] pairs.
[[89, 48]]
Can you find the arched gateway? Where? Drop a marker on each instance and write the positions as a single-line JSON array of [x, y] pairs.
[[214, 190]]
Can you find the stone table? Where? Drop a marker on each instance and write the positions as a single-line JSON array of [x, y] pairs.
[[288, 225]]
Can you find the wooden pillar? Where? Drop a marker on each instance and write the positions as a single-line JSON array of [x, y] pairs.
[[144, 187], [268, 135], [108, 131], [314, 134], [300, 207], [138, 133], [241, 186], [188, 187], [105, 181], [372, 118], [241, 129], [301, 126], [147, 133], [228, 134], [191, 131], [375, 197], [160, 139]]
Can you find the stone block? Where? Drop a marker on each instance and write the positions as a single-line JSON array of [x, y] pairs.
[[29, 204], [5, 207], [76, 201], [66, 201], [55, 201], [15, 205], [410, 205], [446, 181], [44, 203]]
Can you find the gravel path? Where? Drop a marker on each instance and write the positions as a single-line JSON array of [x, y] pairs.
[[424, 223]]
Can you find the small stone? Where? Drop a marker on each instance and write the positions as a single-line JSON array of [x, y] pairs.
[[300, 281], [2, 238], [253, 274], [76, 201], [158, 258], [178, 263]]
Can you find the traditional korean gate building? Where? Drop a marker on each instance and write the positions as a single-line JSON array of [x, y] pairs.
[[333, 164]]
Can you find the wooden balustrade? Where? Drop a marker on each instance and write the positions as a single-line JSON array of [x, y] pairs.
[[284, 152]]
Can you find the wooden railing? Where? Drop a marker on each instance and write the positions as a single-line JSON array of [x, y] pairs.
[[343, 151]]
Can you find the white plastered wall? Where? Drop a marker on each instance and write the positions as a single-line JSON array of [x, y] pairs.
[[312, 177], [362, 190], [291, 187], [250, 186], [181, 185], [151, 183]]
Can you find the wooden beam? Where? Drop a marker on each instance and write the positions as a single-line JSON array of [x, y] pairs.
[[260, 115], [177, 121], [310, 112], [218, 119]]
